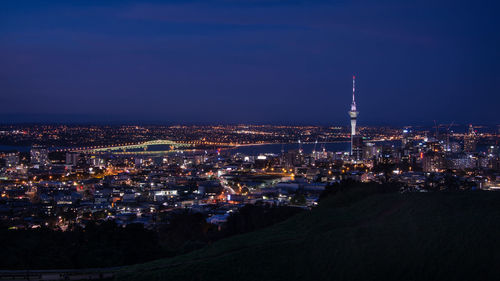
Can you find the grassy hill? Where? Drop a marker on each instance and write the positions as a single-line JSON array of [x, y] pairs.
[[418, 236]]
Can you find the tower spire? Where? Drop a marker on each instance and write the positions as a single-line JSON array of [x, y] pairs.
[[353, 105]]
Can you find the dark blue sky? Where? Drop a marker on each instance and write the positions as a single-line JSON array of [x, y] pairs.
[[250, 61]]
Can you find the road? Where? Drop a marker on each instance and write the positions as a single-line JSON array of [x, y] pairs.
[[59, 274]]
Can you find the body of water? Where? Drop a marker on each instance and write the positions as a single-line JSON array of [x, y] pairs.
[[255, 150], [14, 148]]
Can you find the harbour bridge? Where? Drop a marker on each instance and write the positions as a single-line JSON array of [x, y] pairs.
[[138, 148], [142, 148]]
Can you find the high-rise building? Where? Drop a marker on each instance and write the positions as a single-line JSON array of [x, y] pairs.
[[470, 140], [39, 155], [357, 147], [370, 151], [72, 158], [494, 151], [407, 139], [461, 161], [433, 161], [96, 162], [356, 142], [11, 160]]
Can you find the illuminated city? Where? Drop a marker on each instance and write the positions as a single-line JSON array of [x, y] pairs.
[[152, 156]]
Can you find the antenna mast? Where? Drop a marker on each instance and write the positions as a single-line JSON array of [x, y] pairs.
[[353, 105]]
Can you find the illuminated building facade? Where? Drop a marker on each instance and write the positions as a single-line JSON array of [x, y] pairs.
[[39, 155], [470, 140]]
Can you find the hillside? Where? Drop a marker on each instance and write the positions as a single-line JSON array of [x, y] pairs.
[[417, 236]]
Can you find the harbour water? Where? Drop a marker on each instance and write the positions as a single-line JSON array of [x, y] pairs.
[[255, 150]]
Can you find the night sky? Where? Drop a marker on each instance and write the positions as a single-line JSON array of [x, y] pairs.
[[250, 61]]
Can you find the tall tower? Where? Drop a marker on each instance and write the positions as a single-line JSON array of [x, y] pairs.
[[353, 113]]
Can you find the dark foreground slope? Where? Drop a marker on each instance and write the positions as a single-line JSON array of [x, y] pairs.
[[424, 236]]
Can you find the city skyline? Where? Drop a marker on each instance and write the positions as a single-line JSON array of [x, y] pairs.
[[248, 62], [249, 140]]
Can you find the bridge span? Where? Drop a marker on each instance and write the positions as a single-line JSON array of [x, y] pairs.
[[142, 147]]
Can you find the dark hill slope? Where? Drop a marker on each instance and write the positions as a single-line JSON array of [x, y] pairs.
[[424, 236]]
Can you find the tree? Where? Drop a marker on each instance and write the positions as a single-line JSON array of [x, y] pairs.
[[298, 199]]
